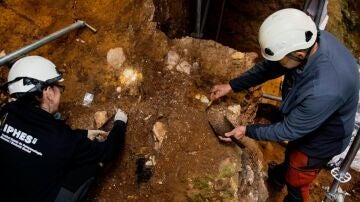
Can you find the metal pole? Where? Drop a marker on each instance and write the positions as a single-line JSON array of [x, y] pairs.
[[272, 97], [331, 194], [198, 19], [319, 12], [18, 53], [306, 5], [220, 20], [205, 17]]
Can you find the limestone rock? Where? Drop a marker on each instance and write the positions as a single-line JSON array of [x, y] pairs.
[[184, 67], [172, 59], [238, 56], [2, 53], [100, 118], [202, 98], [159, 131], [118, 89], [236, 109], [116, 57]]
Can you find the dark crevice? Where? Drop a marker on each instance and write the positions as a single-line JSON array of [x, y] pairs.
[[240, 24]]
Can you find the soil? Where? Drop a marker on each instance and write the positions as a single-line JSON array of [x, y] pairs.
[[191, 164]]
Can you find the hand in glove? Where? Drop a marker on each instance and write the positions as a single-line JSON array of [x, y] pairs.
[[120, 115], [99, 135]]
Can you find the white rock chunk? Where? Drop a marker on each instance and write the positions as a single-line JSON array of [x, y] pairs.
[[116, 57], [184, 67], [172, 59], [236, 109]]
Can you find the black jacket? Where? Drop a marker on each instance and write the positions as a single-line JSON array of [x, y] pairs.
[[37, 151]]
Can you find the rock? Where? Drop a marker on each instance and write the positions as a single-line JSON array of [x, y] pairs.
[[202, 98], [238, 56], [151, 162], [250, 175], [130, 76], [222, 184], [100, 118], [130, 80], [147, 118], [118, 89], [80, 40], [2, 53], [172, 59], [116, 57], [236, 109], [159, 131], [184, 67]]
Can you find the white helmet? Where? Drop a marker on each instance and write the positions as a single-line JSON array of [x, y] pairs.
[[32, 74], [285, 31]]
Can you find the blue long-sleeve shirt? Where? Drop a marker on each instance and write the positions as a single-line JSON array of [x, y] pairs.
[[319, 100]]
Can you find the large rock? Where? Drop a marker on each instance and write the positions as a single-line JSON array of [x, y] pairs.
[[116, 57]]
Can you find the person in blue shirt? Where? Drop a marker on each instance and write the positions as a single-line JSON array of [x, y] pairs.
[[319, 97]]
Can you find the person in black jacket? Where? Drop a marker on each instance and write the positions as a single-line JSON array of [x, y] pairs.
[[42, 158], [320, 93]]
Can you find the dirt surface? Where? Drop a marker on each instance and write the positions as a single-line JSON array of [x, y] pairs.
[[189, 164]]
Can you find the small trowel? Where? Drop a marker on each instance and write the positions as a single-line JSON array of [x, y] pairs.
[[222, 127]]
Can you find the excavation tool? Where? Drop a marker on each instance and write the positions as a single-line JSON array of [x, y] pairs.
[[220, 127], [22, 51]]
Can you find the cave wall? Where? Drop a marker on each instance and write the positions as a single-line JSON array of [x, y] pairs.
[[242, 19], [175, 17], [344, 23]]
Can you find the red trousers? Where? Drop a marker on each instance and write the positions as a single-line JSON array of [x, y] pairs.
[[299, 175], [298, 171]]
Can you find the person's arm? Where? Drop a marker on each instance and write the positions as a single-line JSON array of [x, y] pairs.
[[303, 119], [88, 151], [258, 74]]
